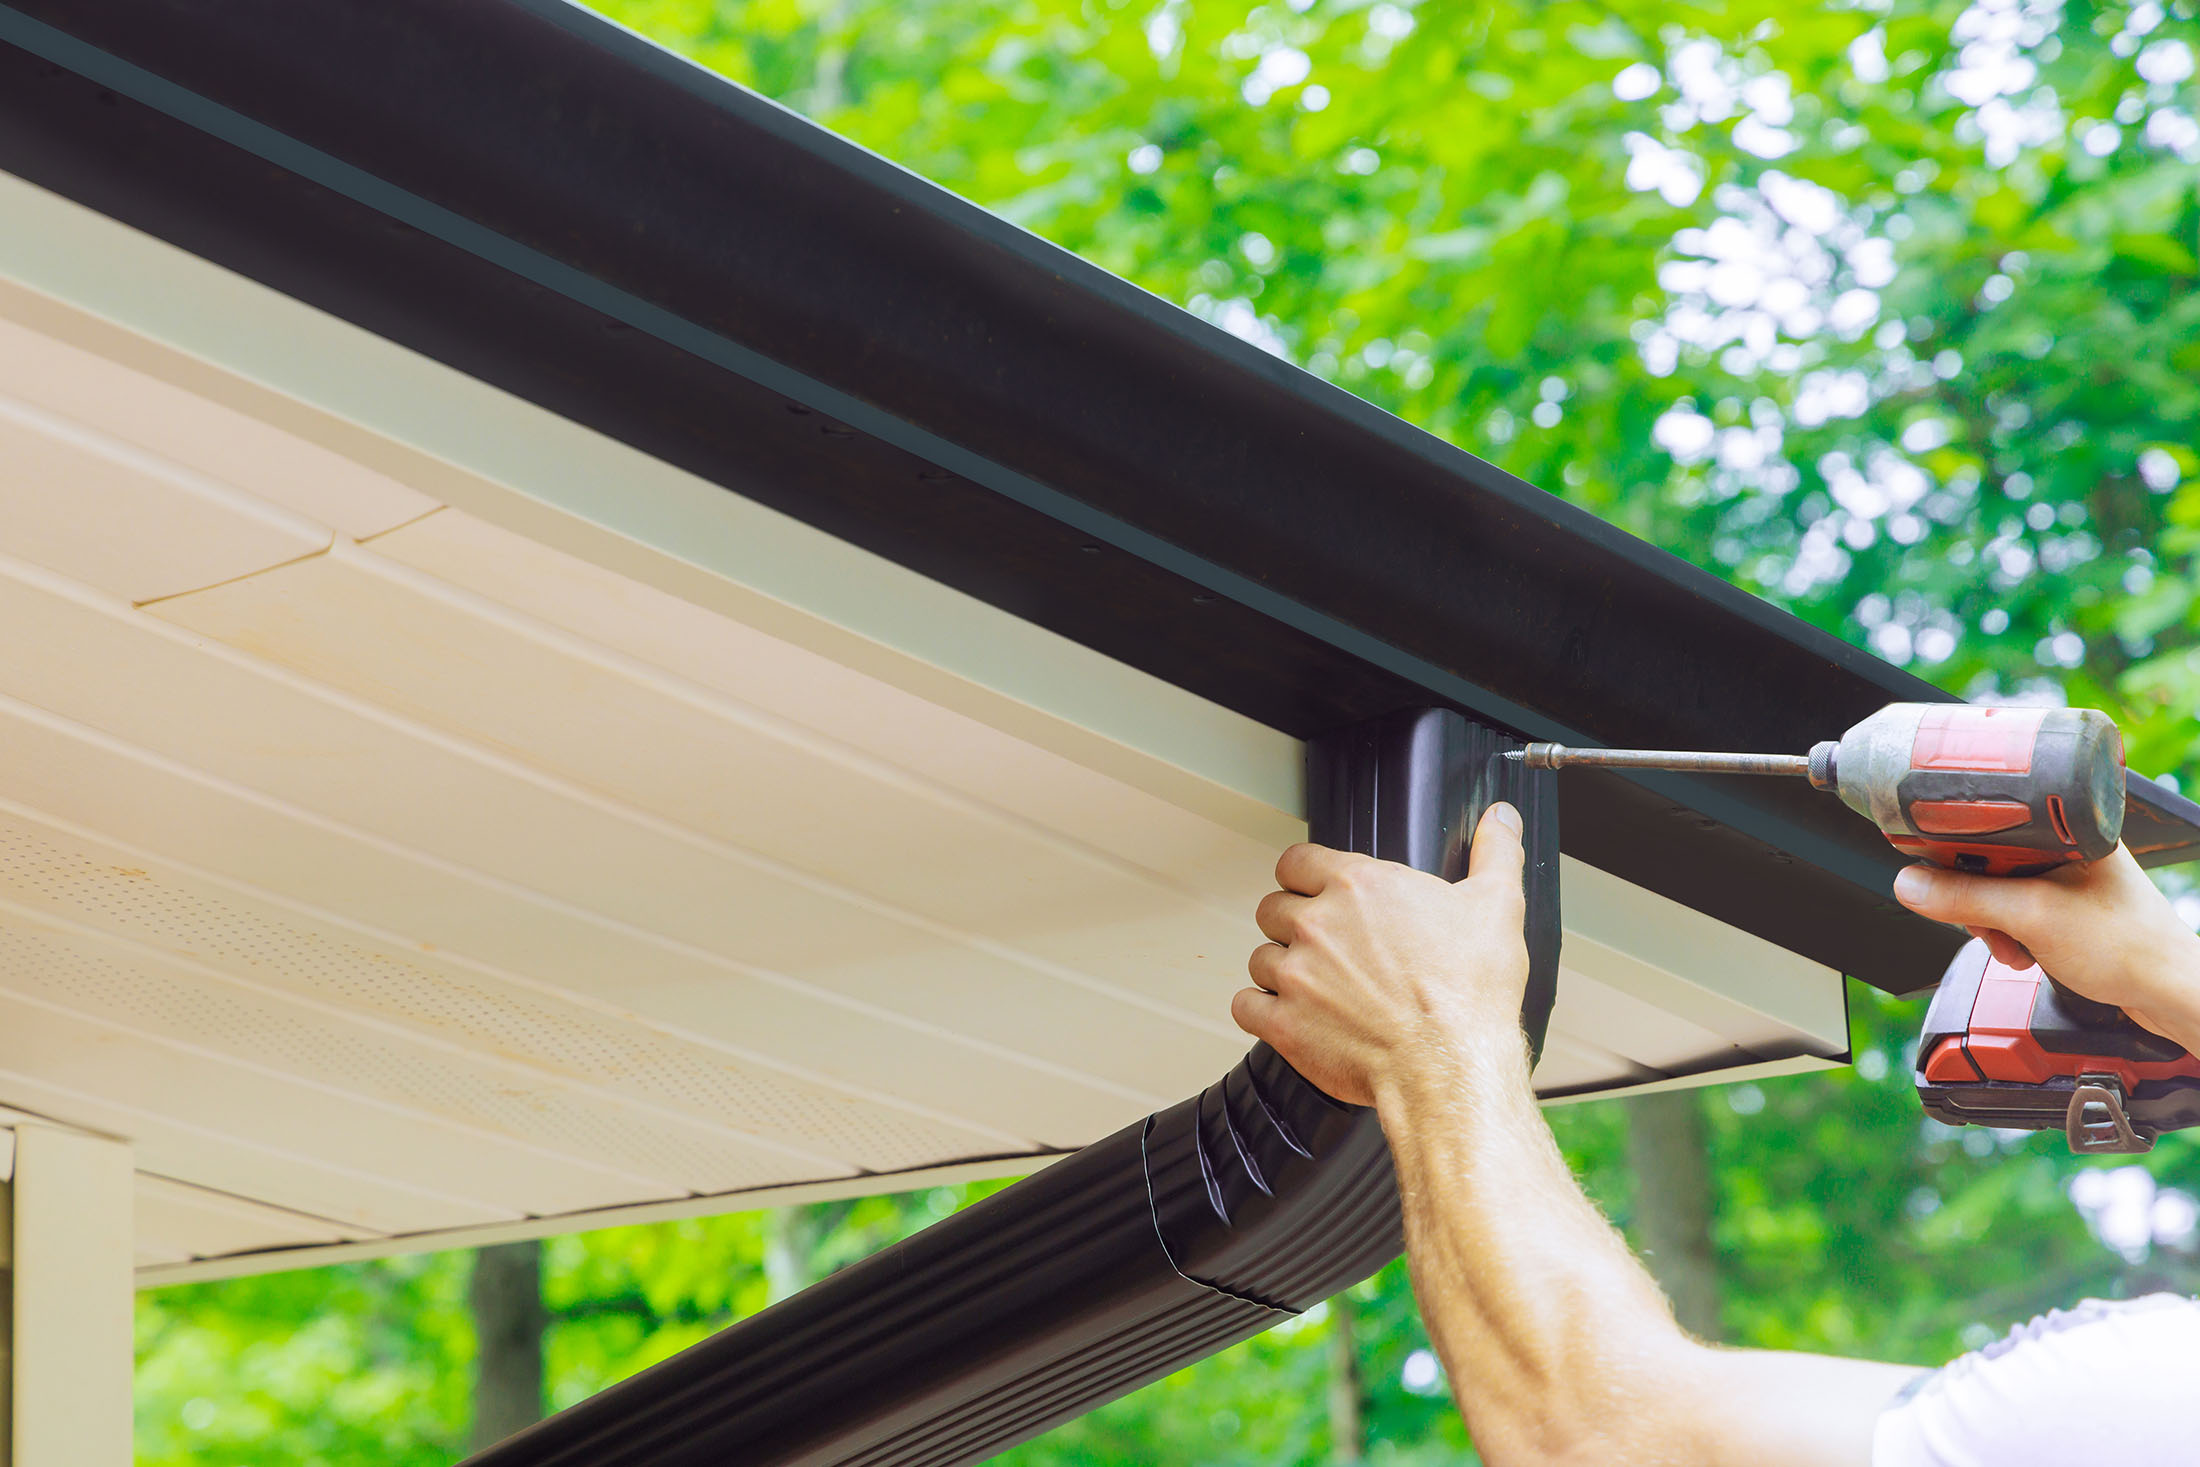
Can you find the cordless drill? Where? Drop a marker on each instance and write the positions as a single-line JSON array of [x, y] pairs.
[[1998, 792]]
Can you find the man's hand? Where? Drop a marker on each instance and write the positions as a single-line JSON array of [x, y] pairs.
[[2102, 930], [1376, 973], [1393, 988]]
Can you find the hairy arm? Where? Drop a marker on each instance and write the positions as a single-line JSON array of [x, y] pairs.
[[1558, 1343], [1392, 988]]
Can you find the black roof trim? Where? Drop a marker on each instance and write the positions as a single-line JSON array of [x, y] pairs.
[[533, 195]]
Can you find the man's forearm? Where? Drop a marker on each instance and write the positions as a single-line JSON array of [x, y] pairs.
[[1559, 1345], [1541, 1314]]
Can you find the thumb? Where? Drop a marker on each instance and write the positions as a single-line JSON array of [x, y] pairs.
[[1498, 853]]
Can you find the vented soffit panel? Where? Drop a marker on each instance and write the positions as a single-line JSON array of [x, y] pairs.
[[425, 820], [547, 202]]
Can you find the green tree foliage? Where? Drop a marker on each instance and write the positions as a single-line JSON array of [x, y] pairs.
[[1884, 312], [331, 1367], [1846, 1223]]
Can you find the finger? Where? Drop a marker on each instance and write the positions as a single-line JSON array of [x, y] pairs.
[[1266, 965], [1498, 853], [2000, 902], [2007, 951], [1254, 1011], [1278, 915], [1306, 868]]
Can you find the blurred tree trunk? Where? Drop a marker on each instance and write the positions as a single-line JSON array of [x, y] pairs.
[[1347, 1393], [506, 1298], [829, 85], [791, 1239], [1669, 1148]]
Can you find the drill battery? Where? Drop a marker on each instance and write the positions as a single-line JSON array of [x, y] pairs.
[[2016, 1049]]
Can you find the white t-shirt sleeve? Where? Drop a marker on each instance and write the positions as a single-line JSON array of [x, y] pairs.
[[2101, 1383]]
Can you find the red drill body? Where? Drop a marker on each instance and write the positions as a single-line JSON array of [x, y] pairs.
[[2000, 791]]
